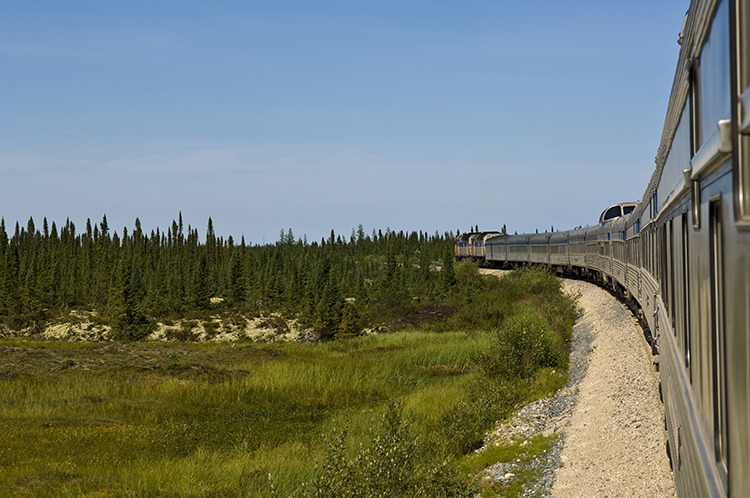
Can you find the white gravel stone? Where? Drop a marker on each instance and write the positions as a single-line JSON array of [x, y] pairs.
[[609, 414], [616, 442]]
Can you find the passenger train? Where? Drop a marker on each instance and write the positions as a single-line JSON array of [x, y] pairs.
[[681, 256]]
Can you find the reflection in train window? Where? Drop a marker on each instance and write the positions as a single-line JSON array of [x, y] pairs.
[[743, 184], [713, 75], [695, 106], [612, 212]]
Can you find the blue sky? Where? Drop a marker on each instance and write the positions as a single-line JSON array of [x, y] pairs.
[[412, 115]]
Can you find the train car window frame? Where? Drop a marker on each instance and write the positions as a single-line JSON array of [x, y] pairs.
[[663, 269], [686, 339], [714, 85], [740, 24], [718, 343], [696, 123], [696, 208], [695, 134], [672, 288]]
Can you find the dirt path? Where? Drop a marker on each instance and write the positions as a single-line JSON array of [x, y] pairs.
[[610, 412], [615, 444]]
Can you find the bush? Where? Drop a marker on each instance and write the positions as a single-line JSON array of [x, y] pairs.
[[394, 463], [184, 333], [486, 401], [130, 328], [523, 345]]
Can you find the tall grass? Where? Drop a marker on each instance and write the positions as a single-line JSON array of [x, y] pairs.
[[132, 428], [215, 420]]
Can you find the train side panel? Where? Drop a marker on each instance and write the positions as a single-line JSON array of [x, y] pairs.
[[539, 249]]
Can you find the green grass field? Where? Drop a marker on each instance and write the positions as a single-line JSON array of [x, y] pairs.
[[390, 414], [205, 420]]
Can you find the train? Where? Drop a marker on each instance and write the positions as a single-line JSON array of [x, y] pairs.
[[681, 255]]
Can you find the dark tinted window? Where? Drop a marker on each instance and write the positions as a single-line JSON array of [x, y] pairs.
[[627, 210], [612, 212]]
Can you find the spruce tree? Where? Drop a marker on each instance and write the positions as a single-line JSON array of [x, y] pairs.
[[11, 295], [199, 293], [329, 310], [129, 321], [237, 292], [447, 271]]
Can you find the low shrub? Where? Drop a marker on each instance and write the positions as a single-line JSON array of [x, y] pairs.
[[185, 333], [523, 345], [393, 463]]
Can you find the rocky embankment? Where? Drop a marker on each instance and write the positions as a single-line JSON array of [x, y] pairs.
[[609, 414]]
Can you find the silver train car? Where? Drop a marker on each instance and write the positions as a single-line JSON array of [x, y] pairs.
[[681, 256]]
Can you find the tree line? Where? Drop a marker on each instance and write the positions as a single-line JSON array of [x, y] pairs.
[[132, 279]]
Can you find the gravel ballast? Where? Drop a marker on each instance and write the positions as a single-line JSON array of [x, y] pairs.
[[610, 419]]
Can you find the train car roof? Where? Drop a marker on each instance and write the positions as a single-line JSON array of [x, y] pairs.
[[498, 238], [522, 237], [559, 236], [538, 237]]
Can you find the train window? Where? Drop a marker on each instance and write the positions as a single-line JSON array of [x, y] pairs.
[[743, 168], [710, 92], [714, 86], [743, 184], [672, 289], [718, 347], [695, 107], [662, 271], [627, 210], [686, 294], [613, 212], [744, 39], [696, 204]]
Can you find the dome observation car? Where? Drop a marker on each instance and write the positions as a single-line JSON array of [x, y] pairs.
[[617, 211]]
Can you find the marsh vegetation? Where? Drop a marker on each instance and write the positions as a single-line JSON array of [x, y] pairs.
[[349, 412], [385, 414]]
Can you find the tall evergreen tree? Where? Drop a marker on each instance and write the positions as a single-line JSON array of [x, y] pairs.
[[447, 271], [200, 297], [130, 323]]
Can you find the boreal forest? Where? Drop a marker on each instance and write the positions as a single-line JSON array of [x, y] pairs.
[[131, 280]]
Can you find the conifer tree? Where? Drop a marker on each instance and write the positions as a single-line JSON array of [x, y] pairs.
[[328, 312], [447, 271], [349, 325], [11, 295], [199, 292], [104, 226], [236, 277], [134, 276], [129, 320]]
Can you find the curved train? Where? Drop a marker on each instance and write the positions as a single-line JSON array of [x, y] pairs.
[[681, 256]]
